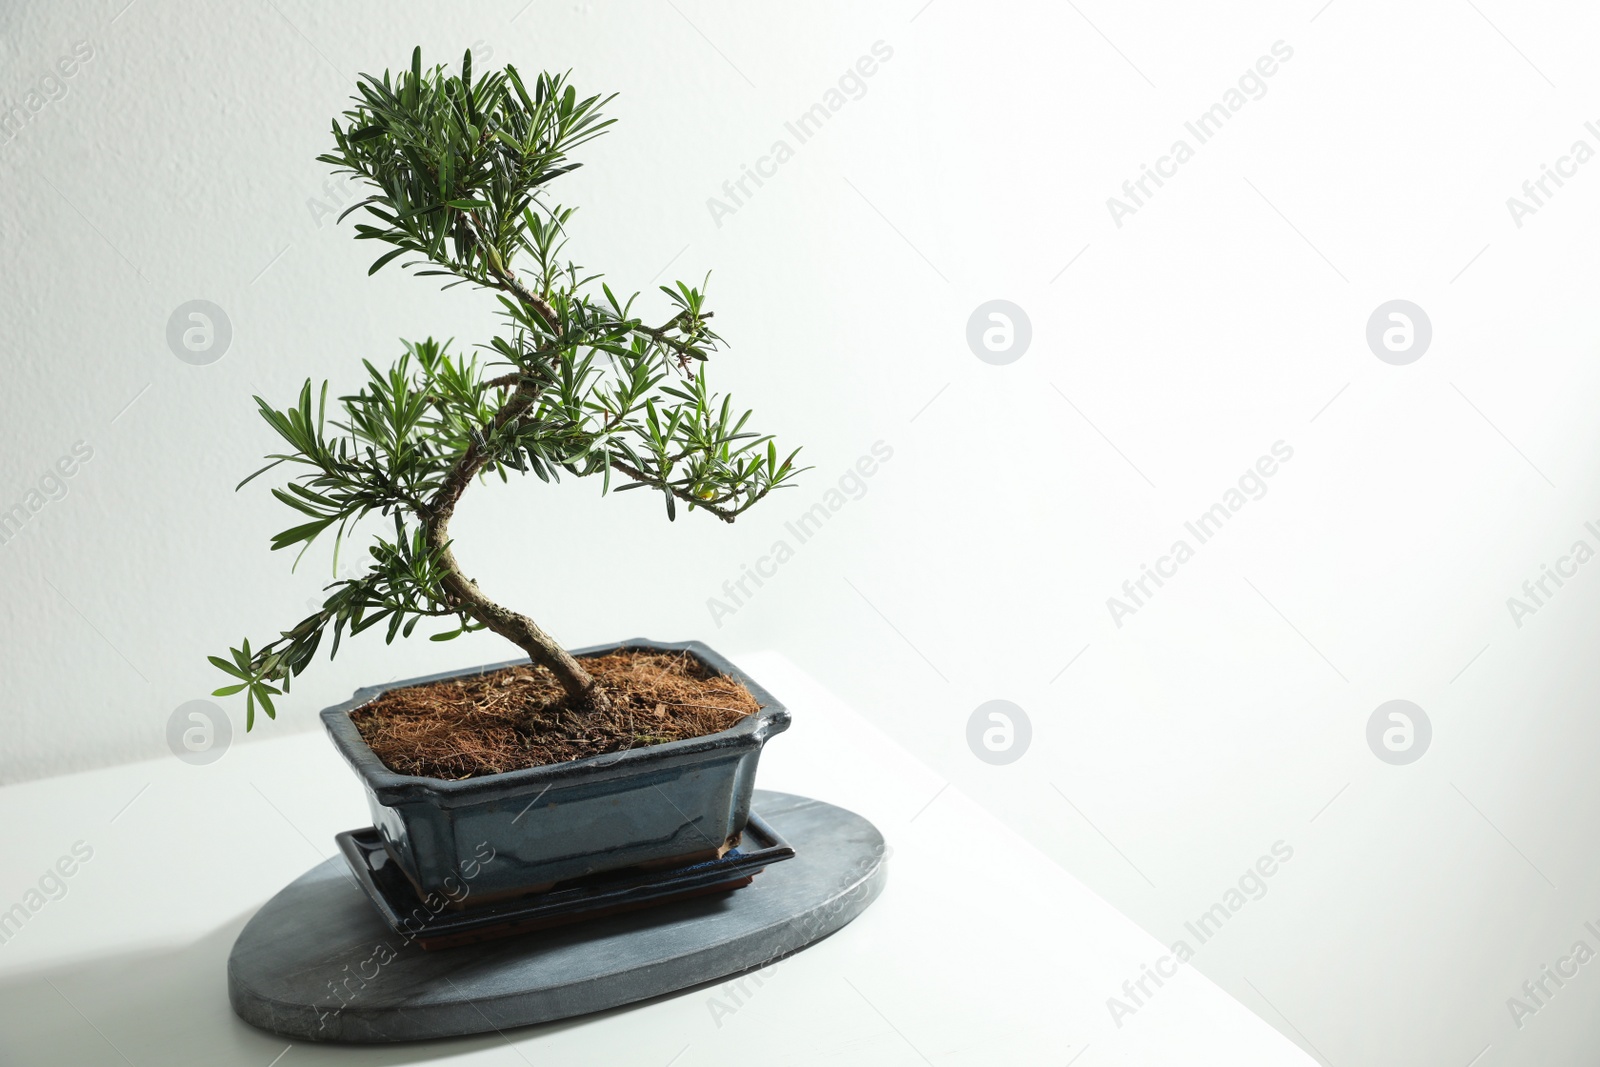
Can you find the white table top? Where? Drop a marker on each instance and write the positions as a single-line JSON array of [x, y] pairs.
[[980, 951]]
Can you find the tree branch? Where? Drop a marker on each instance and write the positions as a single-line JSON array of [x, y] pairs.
[[725, 514]]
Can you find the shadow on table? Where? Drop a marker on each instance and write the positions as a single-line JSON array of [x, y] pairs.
[[169, 1006], [165, 1006]]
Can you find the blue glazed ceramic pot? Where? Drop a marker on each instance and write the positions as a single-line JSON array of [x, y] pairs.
[[502, 834]]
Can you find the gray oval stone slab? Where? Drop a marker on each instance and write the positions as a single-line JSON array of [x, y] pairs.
[[317, 963]]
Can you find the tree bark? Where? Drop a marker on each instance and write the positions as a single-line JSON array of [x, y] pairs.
[[515, 627]]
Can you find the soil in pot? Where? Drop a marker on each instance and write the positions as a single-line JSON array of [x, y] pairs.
[[520, 717]]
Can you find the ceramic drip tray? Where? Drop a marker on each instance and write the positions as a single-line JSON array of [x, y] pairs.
[[438, 922], [319, 963]]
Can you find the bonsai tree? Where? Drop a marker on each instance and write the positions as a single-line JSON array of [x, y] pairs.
[[458, 170]]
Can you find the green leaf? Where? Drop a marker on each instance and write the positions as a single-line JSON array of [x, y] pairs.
[[506, 139], [305, 532], [381, 260], [223, 665]]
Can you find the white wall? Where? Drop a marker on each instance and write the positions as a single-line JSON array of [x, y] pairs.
[[1228, 313]]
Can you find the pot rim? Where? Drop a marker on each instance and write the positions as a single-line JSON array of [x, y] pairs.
[[390, 787]]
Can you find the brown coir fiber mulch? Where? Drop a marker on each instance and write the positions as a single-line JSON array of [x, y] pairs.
[[520, 716]]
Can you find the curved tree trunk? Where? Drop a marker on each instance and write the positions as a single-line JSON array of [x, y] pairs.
[[515, 627]]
